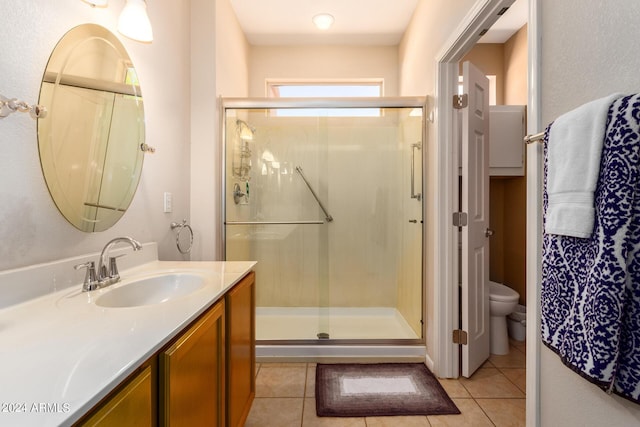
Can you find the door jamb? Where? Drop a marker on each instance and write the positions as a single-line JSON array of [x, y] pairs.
[[534, 212], [482, 15], [447, 360]]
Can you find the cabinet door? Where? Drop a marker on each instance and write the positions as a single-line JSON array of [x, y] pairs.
[[506, 149], [131, 406], [241, 355], [192, 374]]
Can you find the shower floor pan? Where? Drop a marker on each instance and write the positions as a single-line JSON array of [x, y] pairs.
[[278, 323], [291, 334]]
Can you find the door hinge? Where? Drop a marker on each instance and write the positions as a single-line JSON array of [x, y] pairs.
[[460, 219], [460, 101], [459, 336]]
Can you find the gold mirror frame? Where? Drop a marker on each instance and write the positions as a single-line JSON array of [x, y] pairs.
[[91, 141]]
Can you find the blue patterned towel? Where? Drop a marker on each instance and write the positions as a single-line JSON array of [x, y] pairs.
[[590, 296]]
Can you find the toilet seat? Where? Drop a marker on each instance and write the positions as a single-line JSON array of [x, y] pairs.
[[502, 293]]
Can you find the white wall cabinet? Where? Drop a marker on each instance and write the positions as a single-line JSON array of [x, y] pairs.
[[507, 127], [506, 133]]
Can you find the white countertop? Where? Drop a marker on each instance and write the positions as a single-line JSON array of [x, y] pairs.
[[60, 354]]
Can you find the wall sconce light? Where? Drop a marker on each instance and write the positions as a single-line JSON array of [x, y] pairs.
[[323, 21], [134, 21]]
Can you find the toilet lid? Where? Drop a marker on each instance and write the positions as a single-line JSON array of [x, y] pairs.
[[500, 292]]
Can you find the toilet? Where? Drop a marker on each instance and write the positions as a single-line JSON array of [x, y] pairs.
[[502, 301]]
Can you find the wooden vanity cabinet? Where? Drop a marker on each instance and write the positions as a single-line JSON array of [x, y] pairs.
[[131, 405], [241, 354], [204, 377], [192, 374]]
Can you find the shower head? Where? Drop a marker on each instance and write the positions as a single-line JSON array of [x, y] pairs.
[[246, 131]]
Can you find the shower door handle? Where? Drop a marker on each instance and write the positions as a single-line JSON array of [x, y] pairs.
[[415, 146]]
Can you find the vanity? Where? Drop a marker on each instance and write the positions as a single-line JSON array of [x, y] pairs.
[[142, 342], [173, 343]]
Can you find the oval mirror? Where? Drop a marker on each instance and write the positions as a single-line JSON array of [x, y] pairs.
[[91, 141]]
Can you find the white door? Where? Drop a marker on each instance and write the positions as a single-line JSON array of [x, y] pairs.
[[475, 202]]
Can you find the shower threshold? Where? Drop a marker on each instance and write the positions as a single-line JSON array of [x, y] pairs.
[[335, 334], [329, 353]]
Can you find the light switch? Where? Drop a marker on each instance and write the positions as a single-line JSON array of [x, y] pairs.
[[168, 202]]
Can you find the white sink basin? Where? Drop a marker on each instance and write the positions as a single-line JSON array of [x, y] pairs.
[[151, 290]]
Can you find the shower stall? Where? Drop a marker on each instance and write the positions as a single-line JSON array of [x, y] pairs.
[[326, 195]]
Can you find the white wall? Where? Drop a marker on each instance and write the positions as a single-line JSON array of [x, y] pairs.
[[431, 25], [31, 228], [219, 67], [589, 49], [232, 53], [323, 62]]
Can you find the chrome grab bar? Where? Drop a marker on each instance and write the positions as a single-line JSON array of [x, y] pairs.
[[328, 217], [413, 177], [272, 222]]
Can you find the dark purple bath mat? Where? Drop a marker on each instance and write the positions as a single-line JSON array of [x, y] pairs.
[[379, 389]]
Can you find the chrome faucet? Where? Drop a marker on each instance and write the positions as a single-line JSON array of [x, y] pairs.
[[105, 276], [110, 275], [90, 279]]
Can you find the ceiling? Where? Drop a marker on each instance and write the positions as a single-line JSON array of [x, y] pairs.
[[288, 22], [508, 24]]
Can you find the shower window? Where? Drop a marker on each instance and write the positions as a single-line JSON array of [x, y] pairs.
[[328, 89], [325, 207], [325, 90]]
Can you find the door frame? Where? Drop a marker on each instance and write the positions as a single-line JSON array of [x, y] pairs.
[[446, 305]]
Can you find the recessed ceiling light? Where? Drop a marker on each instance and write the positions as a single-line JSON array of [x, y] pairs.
[[323, 21]]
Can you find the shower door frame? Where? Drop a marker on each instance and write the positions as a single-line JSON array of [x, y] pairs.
[[355, 102]]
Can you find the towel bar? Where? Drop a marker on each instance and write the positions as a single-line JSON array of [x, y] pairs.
[[536, 137]]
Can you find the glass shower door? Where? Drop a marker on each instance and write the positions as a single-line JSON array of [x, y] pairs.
[[375, 284], [329, 203], [275, 214]]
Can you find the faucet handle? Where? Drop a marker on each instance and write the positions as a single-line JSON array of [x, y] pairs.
[[90, 279], [114, 274], [103, 274]]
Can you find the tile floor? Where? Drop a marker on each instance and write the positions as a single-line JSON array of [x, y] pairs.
[[493, 396]]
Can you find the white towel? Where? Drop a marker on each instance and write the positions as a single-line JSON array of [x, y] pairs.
[[573, 164]]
